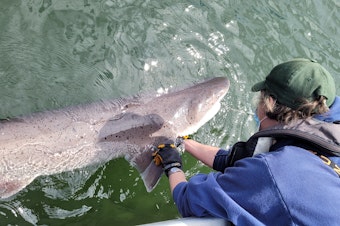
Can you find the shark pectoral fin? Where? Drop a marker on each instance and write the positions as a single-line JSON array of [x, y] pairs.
[[11, 187], [151, 176], [150, 173]]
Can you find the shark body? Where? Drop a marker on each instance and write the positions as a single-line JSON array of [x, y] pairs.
[[75, 137]]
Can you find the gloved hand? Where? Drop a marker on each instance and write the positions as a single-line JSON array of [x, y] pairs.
[[168, 157], [180, 140]]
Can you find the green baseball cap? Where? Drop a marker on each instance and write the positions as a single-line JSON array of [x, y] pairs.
[[298, 79]]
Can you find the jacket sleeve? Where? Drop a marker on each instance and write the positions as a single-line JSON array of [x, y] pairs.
[[220, 161], [235, 195]]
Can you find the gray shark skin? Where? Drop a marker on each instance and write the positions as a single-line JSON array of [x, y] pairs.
[[75, 137]]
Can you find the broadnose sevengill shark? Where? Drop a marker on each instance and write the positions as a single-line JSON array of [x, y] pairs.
[[63, 140]]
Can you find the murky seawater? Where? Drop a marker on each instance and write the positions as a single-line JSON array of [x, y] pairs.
[[60, 53]]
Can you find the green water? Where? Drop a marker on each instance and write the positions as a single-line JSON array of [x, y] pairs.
[[59, 53]]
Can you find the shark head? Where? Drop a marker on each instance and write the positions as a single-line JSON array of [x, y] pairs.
[[185, 111]]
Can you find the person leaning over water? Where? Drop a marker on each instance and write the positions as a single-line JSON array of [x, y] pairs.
[[285, 185]]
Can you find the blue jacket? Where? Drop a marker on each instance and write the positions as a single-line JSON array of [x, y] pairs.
[[289, 186]]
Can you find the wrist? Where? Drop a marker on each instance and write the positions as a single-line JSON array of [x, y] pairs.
[[190, 145], [170, 166], [173, 170]]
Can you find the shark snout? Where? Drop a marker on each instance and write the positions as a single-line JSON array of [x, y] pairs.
[[205, 103]]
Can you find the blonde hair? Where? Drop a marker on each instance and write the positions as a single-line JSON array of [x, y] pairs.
[[284, 114]]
